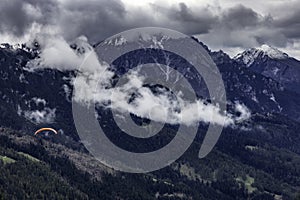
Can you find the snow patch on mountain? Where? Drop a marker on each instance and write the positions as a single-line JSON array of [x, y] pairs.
[[117, 41], [39, 101], [16, 47], [155, 40], [22, 78], [68, 92]]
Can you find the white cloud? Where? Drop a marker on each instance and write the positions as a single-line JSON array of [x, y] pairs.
[[93, 83], [56, 53], [160, 107], [244, 112], [47, 115]]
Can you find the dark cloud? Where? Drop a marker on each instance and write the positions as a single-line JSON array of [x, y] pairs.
[[183, 18], [98, 19], [74, 18], [236, 26], [95, 19], [14, 19], [241, 17], [18, 15], [290, 24], [185, 14]]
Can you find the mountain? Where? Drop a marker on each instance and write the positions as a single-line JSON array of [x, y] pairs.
[[273, 63], [258, 159], [260, 93]]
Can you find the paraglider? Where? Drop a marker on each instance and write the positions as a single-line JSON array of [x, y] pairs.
[[45, 129]]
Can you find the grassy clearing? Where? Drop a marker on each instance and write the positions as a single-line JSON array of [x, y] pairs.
[[248, 183], [7, 160], [29, 157]]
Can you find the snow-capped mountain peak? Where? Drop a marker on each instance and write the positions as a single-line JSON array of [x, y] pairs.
[[272, 52], [250, 55]]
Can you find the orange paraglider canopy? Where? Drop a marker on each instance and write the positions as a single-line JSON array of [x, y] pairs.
[[45, 129]]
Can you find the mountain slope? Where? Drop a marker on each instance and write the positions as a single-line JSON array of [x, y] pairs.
[[258, 159], [273, 63], [246, 163]]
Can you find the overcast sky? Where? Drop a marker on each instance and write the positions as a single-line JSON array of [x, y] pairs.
[[231, 25]]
